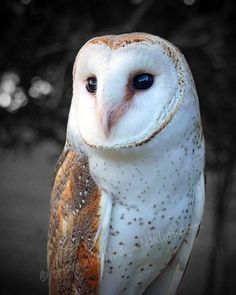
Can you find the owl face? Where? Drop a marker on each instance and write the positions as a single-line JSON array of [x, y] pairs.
[[126, 88]]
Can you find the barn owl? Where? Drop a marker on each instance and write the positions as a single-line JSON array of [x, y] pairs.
[[128, 195]]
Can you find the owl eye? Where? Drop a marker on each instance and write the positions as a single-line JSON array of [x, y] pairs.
[[91, 84], [142, 81]]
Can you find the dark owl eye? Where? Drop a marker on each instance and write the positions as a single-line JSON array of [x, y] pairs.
[[142, 81], [91, 84]]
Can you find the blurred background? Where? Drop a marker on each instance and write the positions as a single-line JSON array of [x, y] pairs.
[[39, 42]]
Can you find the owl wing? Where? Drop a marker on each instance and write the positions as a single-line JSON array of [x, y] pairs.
[[168, 281], [77, 228]]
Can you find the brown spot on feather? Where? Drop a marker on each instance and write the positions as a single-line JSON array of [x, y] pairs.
[[199, 124]]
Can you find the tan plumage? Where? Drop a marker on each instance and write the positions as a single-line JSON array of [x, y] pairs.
[[73, 254]]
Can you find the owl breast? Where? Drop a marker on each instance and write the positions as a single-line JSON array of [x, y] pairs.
[[152, 190]]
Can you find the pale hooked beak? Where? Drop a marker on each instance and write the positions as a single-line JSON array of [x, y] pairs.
[[106, 122], [110, 117]]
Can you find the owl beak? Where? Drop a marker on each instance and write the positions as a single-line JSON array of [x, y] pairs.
[[110, 117], [107, 123]]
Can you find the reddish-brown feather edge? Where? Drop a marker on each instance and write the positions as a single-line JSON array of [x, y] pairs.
[[118, 41], [73, 254]]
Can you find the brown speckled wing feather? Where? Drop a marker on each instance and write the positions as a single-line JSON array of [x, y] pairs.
[[73, 244]]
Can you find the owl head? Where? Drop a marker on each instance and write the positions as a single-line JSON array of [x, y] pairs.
[[126, 89]]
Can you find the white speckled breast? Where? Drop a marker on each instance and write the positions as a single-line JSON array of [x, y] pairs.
[[152, 188]]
